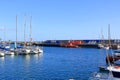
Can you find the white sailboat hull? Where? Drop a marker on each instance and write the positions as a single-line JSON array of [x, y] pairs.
[[9, 52], [2, 54]]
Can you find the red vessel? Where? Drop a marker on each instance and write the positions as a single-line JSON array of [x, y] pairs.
[[72, 44]]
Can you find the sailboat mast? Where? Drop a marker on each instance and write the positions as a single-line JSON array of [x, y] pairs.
[[16, 32], [25, 31], [4, 33], [30, 29], [109, 35], [102, 37]]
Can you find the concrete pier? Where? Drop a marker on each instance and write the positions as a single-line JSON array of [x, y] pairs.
[[64, 43]]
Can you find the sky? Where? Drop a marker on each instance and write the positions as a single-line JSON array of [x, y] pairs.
[[60, 19]]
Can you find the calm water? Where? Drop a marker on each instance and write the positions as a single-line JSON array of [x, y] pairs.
[[53, 64]]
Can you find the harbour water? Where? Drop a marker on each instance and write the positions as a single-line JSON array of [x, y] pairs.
[[53, 64]]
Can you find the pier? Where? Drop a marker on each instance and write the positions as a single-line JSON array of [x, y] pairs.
[[73, 43]]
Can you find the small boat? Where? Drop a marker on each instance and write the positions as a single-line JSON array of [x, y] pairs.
[[24, 50], [36, 50], [39, 49], [2, 54], [113, 61], [33, 50]]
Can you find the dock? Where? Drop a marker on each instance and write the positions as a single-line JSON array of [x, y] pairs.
[[72, 43]]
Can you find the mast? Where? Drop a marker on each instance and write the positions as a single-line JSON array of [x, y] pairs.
[[102, 37], [102, 34], [16, 33], [25, 31], [109, 35], [109, 47], [30, 30], [4, 33]]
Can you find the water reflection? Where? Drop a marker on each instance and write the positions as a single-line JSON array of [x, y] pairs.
[[27, 58], [2, 59], [37, 57], [32, 57], [12, 56]]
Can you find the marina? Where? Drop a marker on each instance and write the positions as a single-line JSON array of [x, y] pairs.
[[61, 59], [60, 40]]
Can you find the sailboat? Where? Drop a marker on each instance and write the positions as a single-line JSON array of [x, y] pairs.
[[113, 68], [34, 50], [24, 50], [6, 48], [16, 50]]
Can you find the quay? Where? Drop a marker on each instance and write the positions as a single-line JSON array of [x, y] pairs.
[[73, 43]]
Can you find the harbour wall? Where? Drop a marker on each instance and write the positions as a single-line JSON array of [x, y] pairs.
[[94, 43]]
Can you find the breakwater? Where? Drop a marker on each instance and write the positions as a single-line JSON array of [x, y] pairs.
[[73, 43]]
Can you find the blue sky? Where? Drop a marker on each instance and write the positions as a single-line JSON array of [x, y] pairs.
[[60, 19]]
